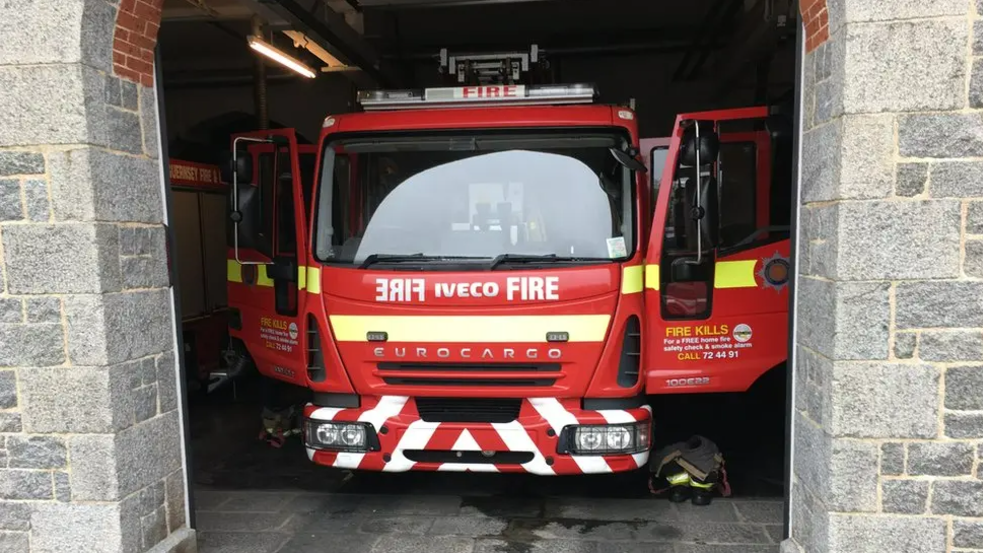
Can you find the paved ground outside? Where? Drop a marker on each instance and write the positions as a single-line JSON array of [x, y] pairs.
[[288, 522]]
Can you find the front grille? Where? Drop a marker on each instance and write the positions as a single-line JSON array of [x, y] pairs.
[[396, 381], [470, 457], [631, 354], [315, 358], [438, 409], [469, 374]]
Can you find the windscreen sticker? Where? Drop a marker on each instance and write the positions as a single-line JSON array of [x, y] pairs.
[[278, 334], [706, 342], [515, 289], [617, 247]]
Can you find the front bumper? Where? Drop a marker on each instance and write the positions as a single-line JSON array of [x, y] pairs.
[[402, 441]]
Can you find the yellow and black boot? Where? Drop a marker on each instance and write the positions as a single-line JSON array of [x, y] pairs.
[[693, 469], [679, 486], [702, 492]]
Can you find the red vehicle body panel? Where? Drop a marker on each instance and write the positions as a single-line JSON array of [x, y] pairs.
[[706, 354], [585, 292]]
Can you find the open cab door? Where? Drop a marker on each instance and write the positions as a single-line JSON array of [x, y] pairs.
[[718, 257], [267, 251]]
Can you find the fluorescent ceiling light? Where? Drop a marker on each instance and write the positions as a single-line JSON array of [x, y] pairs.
[[280, 57]]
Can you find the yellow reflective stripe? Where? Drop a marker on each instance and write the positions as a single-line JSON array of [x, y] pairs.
[[307, 277], [233, 271], [678, 479], [735, 274], [631, 279], [314, 280], [696, 484], [652, 277], [261, 278], [441, 329]]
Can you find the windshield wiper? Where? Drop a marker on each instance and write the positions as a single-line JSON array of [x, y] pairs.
[[545, 258], [519, 258], [396, 258], [408, 257]]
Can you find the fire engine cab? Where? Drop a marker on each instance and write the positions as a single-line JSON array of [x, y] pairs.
[[483, 278]]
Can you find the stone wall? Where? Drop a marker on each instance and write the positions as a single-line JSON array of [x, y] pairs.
[[888, 417], [91, 455]]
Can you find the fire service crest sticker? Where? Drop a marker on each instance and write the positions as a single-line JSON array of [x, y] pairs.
[[774, 272]]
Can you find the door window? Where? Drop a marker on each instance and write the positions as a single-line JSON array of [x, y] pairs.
[[285, 281], [267, 189], [737, 192], [307, 162], [657, 162], [286, 240]]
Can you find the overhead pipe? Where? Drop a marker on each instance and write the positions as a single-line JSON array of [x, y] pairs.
[[729, 14], [259, 83], [650, 35], [565, 51], [226, 82], [763, 28], [395, 4], [655, 47], [713, 22]]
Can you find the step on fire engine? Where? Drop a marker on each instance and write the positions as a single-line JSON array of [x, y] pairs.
[[482, 278]]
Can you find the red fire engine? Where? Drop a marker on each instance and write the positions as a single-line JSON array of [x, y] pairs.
[[482, 278]]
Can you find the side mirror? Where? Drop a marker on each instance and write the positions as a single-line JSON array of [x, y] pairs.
[[691, 269], [240, 166], [244, 221], [247, 207], [243, 168], [703, 225], [283, 269], [707, 145], [698, 150], [710, 209], [631, 162], [683, 270]]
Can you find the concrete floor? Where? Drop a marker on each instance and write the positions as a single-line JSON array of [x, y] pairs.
[[288, 522], [251, 498]]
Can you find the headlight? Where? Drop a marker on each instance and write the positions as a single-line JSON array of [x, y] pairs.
[[605, 439], [339, 436], [353, 435]]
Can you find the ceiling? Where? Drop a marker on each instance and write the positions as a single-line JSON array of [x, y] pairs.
[[201, 37]]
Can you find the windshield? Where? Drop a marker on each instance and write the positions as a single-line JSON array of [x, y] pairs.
[[475, 197]]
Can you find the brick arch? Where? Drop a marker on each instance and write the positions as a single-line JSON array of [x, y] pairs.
[[134, 39], [815, 18]]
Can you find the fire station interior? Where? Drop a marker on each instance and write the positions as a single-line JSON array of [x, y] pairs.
[[660, 58]]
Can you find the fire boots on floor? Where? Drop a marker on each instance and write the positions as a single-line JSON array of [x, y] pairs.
[[278, 425], [692, 470]]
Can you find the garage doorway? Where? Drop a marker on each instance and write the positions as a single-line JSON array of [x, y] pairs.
[[660, 59]]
